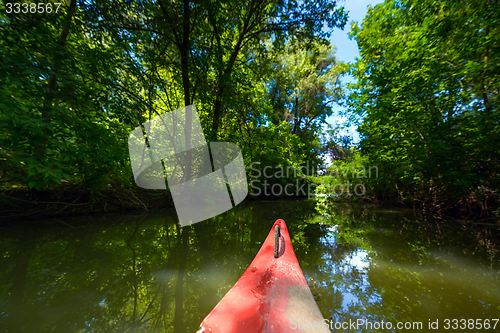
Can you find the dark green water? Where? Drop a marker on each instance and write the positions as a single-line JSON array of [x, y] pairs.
[[142, 273]]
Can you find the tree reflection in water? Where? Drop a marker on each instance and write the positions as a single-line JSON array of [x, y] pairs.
[[143, 273]]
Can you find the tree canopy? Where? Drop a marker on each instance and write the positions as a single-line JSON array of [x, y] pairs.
[[428, 96], [76, 82]]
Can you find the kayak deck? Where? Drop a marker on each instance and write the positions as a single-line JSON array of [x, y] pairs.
[[272, 295]]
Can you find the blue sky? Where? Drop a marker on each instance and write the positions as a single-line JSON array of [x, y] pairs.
[[347, 50]]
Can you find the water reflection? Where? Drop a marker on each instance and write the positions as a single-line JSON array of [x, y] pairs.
[[397, 268], [143, 273]]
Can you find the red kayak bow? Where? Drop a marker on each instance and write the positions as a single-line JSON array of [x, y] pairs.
[[271, 296]]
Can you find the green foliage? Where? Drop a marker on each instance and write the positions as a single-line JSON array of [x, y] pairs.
[[347, 177], [73, 85], [427, 91], [304, 85], [59, 121]]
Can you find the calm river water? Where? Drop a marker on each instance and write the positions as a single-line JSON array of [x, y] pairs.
[[140, 272]]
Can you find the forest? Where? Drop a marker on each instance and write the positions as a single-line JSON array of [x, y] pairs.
[[427, 102], [262, 74]]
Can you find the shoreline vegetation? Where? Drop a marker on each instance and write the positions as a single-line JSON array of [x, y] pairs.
[[264, 76], [71, 199], [21, 204]]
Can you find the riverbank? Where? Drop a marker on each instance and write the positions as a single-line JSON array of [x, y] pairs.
[[68, 200], [73, 199], [471, 212]]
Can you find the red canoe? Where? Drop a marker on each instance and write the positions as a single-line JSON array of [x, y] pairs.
[[271, 296]]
